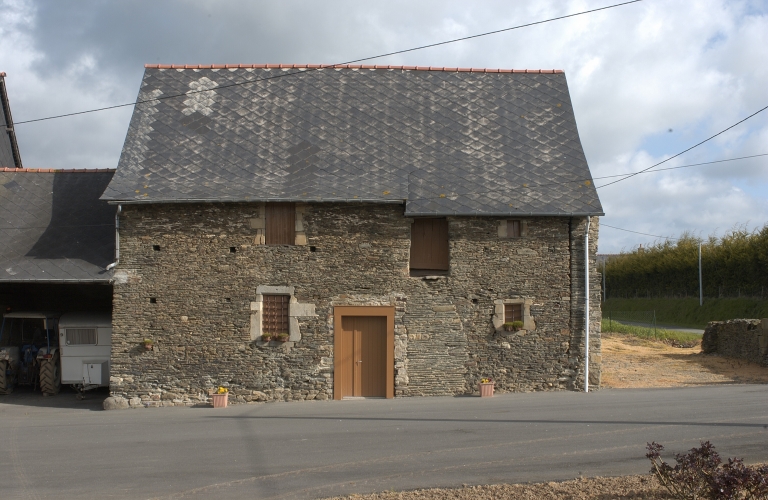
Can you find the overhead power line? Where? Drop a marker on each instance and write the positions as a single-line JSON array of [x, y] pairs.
[[681, 166], [686, 150], [403, 51], [637, 232]]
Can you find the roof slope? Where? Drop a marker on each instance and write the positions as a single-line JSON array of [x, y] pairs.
[[53, 227], [447, 141], [9, 149]]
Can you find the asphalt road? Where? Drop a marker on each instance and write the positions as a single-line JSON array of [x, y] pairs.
[[663, 326], [59, 448]]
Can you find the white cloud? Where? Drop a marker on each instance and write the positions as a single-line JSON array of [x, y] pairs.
[[634, 73]]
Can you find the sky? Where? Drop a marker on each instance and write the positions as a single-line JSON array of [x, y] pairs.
[[647, 80]]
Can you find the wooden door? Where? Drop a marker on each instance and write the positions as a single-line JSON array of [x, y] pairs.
[[280, 220], [429, 244], [363, 363]]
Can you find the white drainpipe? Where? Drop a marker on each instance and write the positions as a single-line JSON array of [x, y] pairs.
[[117, 238], [586, 308]]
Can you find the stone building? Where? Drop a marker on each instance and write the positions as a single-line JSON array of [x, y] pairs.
[[305, 232]]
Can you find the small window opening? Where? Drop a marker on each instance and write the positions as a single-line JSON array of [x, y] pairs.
[[275, 314], [152, 300], [232, 249], [514, 229], [156, 248], [227, 299], [474, 301], [313, 249], [513, 312]]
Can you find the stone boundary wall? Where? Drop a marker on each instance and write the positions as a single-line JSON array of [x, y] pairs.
[[738, 338]]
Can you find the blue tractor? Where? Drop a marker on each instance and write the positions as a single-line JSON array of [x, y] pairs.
[[29, 352]]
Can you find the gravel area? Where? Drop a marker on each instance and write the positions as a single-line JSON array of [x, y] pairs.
[[596, 488]]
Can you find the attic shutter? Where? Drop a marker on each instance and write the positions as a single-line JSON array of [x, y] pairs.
[[280, 220], [429, 244]]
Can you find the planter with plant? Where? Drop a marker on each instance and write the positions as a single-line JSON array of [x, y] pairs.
[[513, 326], [266, 337], [282, 337], [148, 344], [486, 387], [220, 397]]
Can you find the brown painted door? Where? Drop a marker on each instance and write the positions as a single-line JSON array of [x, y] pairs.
[[429, 244], [363, 356]]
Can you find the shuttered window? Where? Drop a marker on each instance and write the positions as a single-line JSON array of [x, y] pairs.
[[513, 229], [513, 312], [429, 245], [274, 317], [81, 336], [280, 221]]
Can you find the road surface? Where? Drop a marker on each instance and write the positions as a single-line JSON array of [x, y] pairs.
[[59, 448]]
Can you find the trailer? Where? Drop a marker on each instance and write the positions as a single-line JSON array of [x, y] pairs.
[[85, 341]]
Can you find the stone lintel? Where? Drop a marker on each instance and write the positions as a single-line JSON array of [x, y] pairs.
[[275, 290]]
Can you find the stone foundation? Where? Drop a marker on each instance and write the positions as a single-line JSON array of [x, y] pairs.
[[180, 283]]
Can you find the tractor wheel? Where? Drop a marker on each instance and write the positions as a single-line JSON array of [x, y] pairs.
[[50, 375], [6, 383]]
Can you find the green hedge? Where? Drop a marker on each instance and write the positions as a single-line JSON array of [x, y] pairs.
[[735, 265]]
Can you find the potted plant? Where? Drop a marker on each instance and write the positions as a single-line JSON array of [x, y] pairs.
[[486, 387], [282, 337], [148, 344], [513, 326], [220, 397], [266, 337]]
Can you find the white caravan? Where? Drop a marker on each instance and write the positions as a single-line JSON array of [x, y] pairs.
[[85, 342]]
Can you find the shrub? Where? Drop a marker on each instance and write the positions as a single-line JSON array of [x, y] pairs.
[[699, 475]]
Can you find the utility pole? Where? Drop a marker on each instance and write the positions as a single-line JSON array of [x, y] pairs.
[[701, 286]]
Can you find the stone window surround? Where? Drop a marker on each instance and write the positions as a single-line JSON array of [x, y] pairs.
[[498, 314], [296, 310], [503, 228], [259, 224]]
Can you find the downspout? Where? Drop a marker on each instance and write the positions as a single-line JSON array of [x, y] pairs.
[[586, 307], [117, 238]]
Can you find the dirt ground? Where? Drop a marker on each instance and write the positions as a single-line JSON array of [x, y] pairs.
[[632, 362], [628, 362]]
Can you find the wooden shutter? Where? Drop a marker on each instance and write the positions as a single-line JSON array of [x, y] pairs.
[[513, 312], [280, 220], [513, 229], [429, 244], [274, 317]]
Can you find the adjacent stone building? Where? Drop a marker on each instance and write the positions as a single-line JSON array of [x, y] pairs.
[[306, 232]]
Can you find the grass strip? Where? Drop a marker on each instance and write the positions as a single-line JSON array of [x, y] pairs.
[[688, 313]]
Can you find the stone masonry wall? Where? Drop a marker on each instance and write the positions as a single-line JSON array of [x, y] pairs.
[[738, 338], [188, 277]]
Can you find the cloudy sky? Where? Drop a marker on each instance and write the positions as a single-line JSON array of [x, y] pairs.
[[647, 80]]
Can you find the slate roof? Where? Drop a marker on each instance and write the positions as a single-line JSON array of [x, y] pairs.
[[53, 227], [9, 149], [447, 141]]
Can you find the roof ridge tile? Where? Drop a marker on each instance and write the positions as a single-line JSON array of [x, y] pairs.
[[350, 66], [57, 170]]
